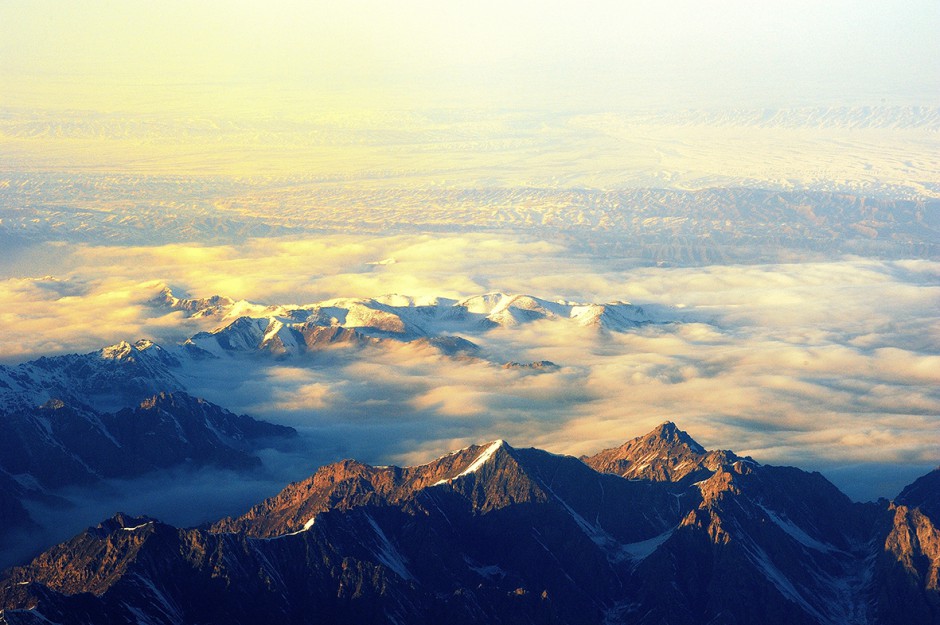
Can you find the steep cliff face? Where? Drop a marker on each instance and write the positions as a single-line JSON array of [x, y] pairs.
[[496, 534], [907, 566], [923, 493]]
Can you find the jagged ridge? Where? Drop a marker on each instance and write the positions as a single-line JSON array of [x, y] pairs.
[[493, 533]]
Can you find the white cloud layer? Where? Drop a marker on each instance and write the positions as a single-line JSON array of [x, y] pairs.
[[833, 366]]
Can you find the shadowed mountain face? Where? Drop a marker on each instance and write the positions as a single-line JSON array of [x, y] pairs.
[[924, 493], [59, 444], [496, 534], [12, 513]]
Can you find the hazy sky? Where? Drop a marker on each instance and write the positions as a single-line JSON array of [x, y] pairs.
[[249, 58]]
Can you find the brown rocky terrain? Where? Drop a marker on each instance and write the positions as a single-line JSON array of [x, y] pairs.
[[667, 454], [497, 534]]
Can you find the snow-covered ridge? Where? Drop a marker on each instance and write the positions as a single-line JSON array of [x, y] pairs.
[[112, 377], [398, 313], [482, 458], [136, 527], [289, 328], [122, 374]]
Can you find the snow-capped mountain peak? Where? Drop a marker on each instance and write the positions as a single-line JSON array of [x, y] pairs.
[[119, 351], [485, 455]]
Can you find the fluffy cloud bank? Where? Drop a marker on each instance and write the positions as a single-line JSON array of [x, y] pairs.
[[834, 365]]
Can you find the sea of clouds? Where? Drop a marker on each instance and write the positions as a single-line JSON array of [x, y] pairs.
[[832, 365]]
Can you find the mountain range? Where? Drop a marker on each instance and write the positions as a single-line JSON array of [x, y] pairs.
[[293, 329], [657, 531], [125, 410], [59, 444], [124, 374]]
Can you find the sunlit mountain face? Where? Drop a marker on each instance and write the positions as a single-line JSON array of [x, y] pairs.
[[264, 269]]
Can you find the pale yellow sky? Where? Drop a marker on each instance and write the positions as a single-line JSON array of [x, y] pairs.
[[245, 58], [445, 92]]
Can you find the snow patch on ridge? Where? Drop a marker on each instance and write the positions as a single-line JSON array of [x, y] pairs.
[[274, 327], [137, 527], [482, 458], [488, 571], [170, 609], [763, 562], [796, 533], [641, 550], [388, 554], [615, 550], [476, 464]]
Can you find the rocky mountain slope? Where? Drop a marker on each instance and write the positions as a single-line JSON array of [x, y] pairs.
[[665, 454], [118, 411], [110, 378], [60, 444], [497, 534]]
